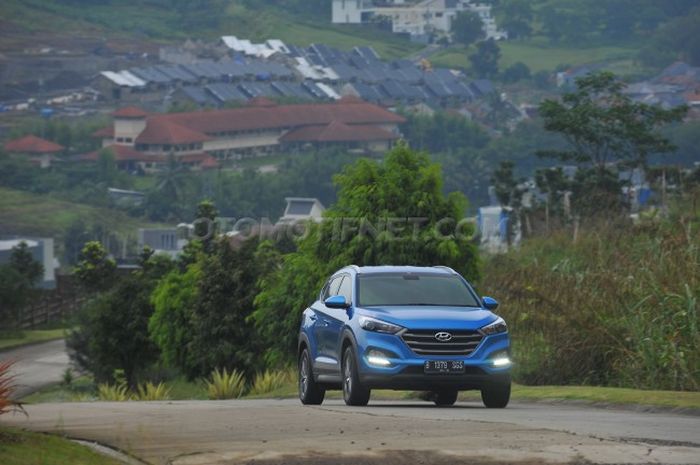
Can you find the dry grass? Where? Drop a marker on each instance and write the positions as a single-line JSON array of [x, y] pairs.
[[619, 307]]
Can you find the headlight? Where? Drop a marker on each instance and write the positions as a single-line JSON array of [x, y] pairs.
[[498, 326], [379, 326]]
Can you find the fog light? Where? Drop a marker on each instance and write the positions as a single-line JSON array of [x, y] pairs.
[[501, 361], [375, 357]]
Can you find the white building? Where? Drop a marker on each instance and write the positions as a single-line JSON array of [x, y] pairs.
[[418, 19], [302, 209]]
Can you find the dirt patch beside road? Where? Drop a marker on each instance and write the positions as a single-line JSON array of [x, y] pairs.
[[272, 432], [397, 457]]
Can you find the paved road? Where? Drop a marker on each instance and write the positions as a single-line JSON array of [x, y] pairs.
[[283, 431], [37, 365]]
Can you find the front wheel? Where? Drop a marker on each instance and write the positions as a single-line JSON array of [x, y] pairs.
[[354, 393], [310, 392], [496, 395]]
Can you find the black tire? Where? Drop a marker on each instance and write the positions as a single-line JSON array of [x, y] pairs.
[[310, 392], [496, 395], [445, 398], [354, 393]]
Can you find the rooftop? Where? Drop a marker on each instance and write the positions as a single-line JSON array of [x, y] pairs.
[[130, 112], [181, 128], [33, 144], [338, 132]]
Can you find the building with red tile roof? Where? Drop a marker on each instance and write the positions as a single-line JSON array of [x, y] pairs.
[[129, 159], [39, 151], [33, 144], [368, 137], [259, 128], [129, 112]]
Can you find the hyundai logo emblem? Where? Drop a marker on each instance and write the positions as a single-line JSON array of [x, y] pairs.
[[443, 336]]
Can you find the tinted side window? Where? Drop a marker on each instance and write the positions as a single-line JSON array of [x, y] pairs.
[[346, 288]]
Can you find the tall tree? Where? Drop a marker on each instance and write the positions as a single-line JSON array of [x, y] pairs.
[[17, 281], [515, 17], [485, 60], [604, 125], [467, 28], [96, 270], [112, 328], [393, 211]]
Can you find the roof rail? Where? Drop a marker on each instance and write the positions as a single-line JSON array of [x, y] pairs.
[[445, 268]]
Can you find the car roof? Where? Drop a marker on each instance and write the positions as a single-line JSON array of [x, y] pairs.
[[401, 269]]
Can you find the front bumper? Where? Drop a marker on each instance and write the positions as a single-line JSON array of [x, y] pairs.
[[406, 370]]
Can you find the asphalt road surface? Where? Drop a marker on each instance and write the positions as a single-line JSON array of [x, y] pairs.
[[37, 365], [408, 433]]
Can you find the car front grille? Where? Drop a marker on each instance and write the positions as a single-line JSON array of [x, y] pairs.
[[423, 342]]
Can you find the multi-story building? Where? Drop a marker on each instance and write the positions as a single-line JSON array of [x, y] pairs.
[[205, 138], [420, 19]]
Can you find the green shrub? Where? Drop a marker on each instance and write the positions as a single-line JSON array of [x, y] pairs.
[[113, 392], [271, 380], [67, 379], [225, 385], [150, 391]]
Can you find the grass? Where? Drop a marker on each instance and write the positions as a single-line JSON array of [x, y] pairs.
[[184, 390], [139, 19], [21, 338], [25, 213], [609, 395], [539, 55], [19, 447]]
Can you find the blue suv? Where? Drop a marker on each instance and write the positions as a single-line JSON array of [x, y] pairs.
[[402, 327]]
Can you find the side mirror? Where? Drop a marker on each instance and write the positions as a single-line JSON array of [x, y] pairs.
[[337, 301], [489, 303]]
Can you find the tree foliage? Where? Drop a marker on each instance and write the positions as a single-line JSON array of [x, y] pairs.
[[443, 132], [602, 124], [96, 271], [467, 27], [202, 308], [370, 224], [112, 328], [18, 277], [485, 60]]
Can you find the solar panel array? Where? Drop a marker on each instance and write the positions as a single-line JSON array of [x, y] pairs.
[[360, 70], [219, 93]]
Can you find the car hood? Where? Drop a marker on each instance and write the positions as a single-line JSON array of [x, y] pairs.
[[423, 317]]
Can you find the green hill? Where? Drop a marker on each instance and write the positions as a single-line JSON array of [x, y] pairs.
[[24, 213], [152, 20]]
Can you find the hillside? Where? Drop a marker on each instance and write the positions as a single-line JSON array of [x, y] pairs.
[[24, 213], [150, 21], [539, 55]]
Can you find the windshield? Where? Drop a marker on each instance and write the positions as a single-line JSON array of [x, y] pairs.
[[414, 289]]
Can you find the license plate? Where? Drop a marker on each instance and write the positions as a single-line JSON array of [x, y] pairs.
[[444, 367]]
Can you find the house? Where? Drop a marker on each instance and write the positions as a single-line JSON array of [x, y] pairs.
[[420, 20], [201, 138], [301, 209], [38, 150], [168, 241], [42, 250]]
